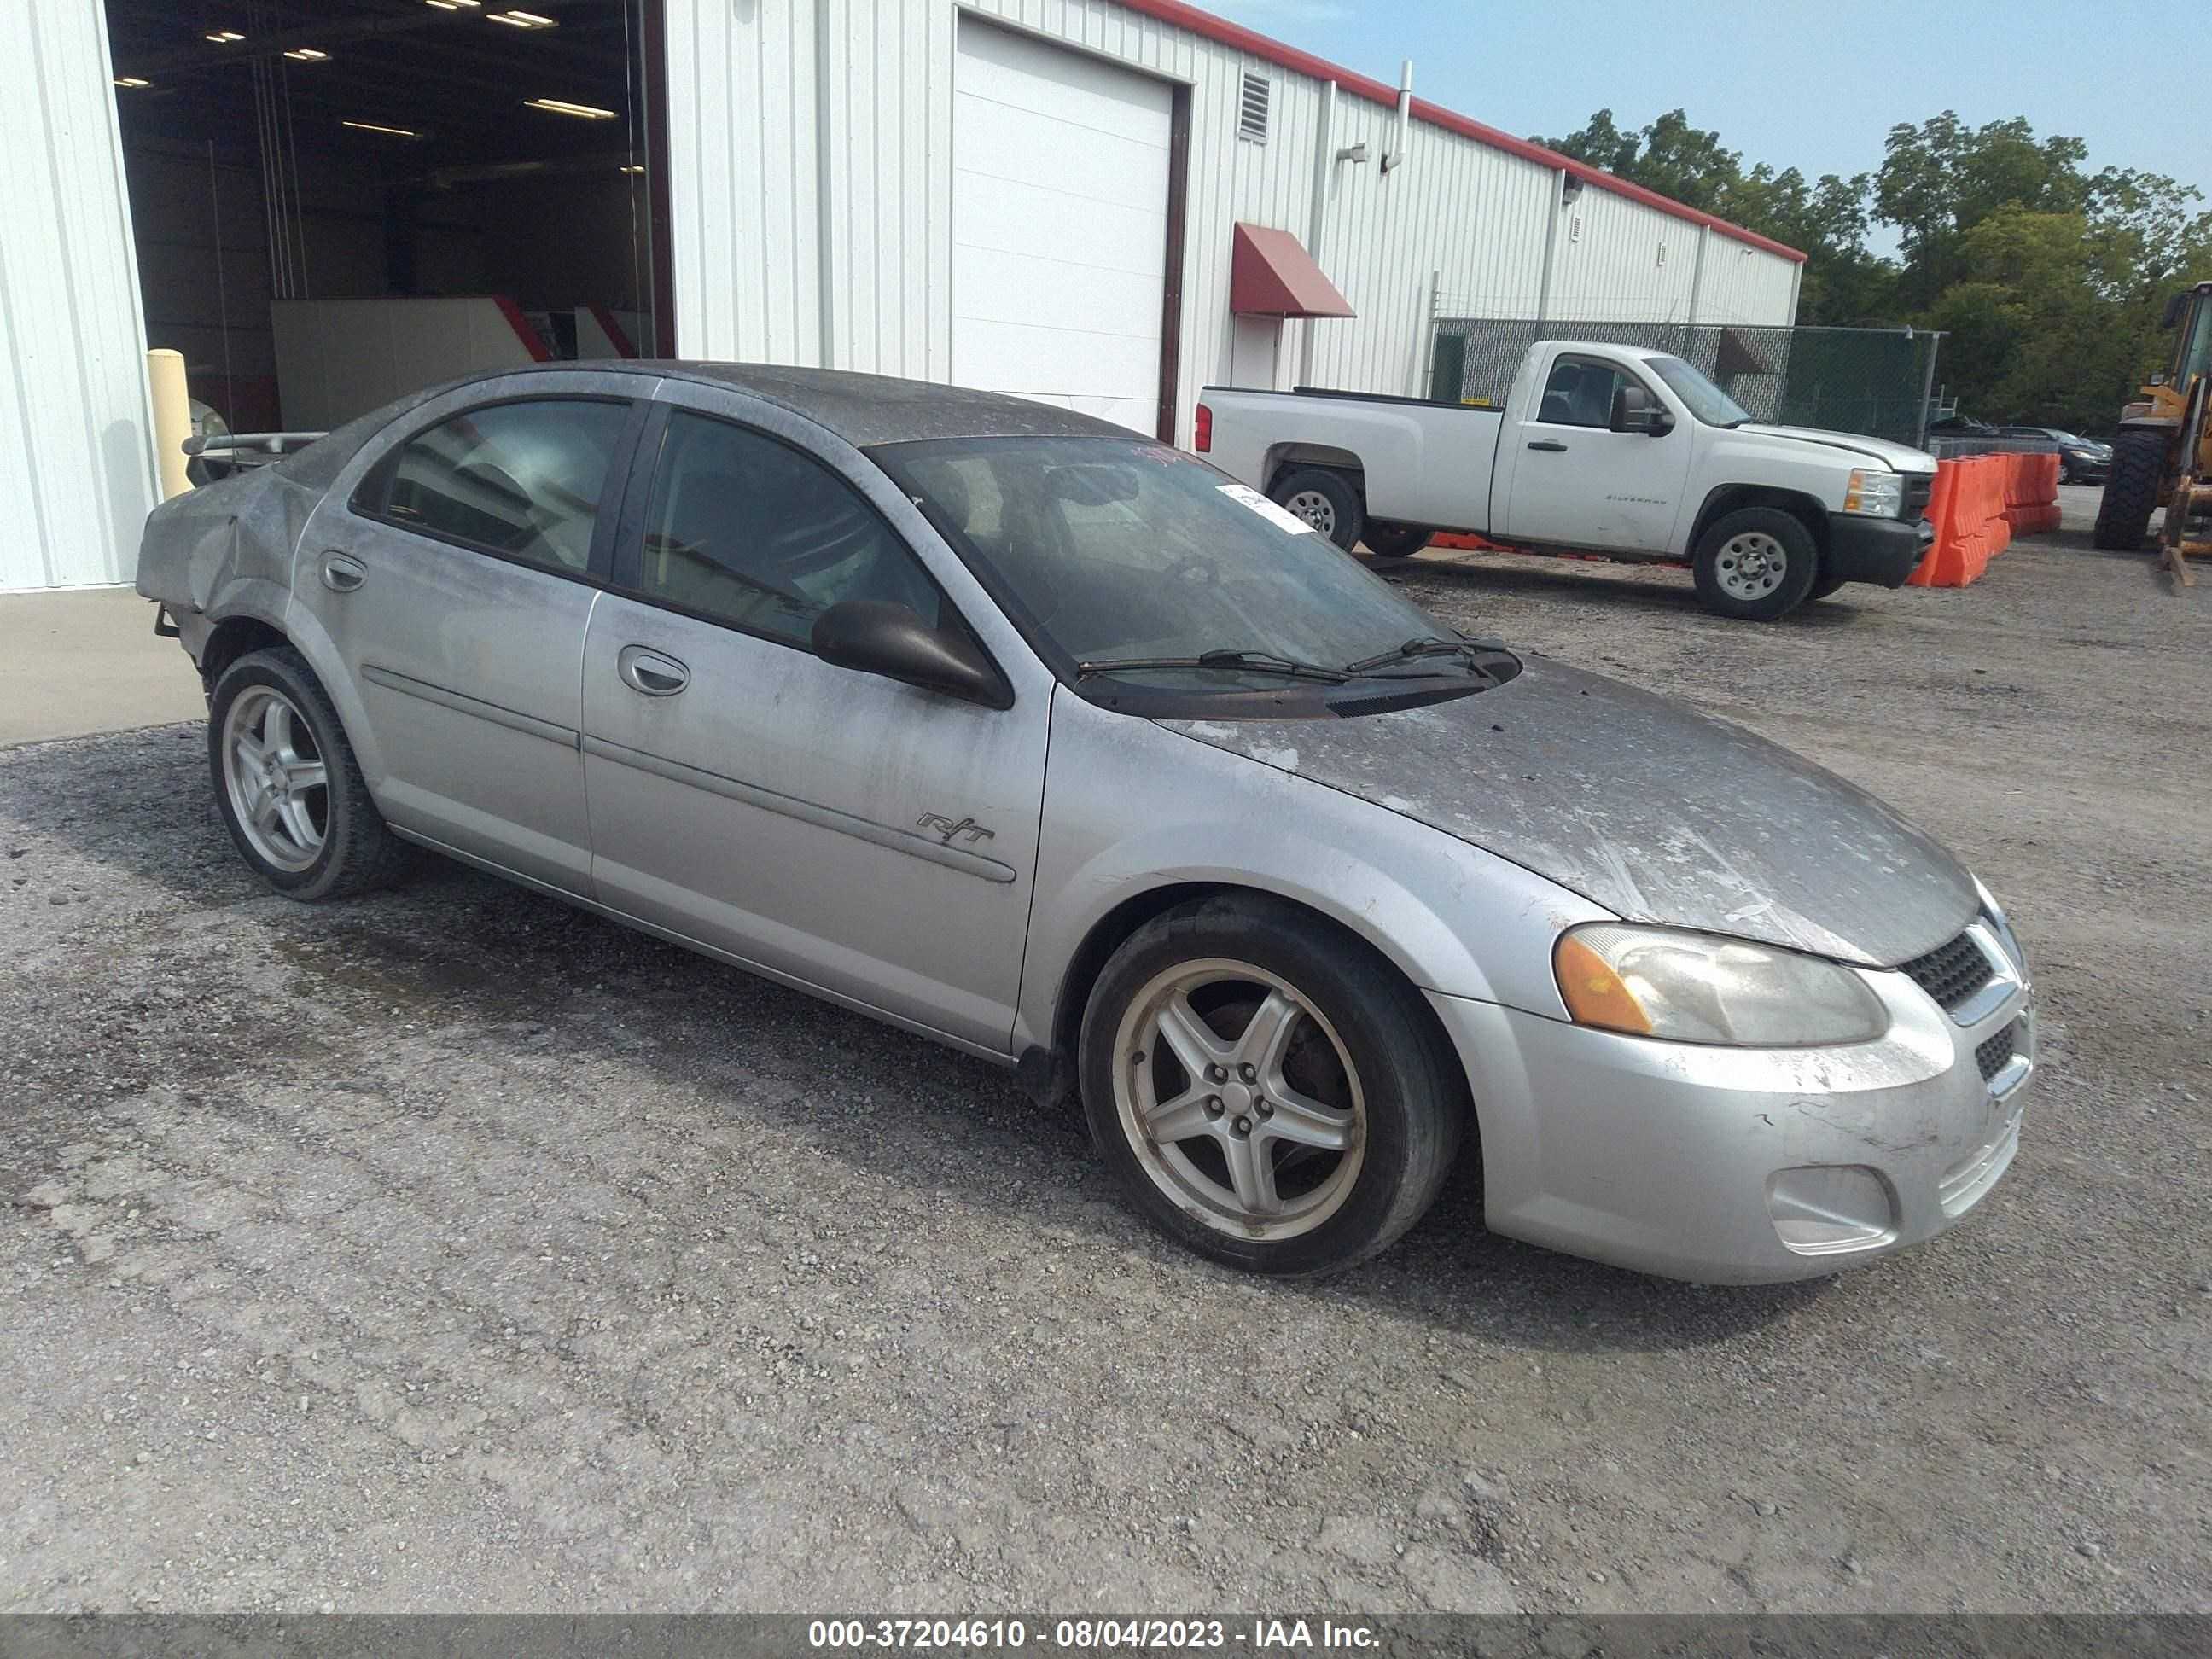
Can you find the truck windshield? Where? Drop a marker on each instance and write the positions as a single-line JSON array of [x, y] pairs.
[[1707, 401], [1107, 549]]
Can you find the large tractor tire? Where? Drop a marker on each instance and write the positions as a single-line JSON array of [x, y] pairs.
[[2132, 489]]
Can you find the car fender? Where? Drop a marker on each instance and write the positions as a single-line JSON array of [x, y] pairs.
[[1451, 917]]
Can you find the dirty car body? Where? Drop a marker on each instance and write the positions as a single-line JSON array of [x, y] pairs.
[[999, 723]]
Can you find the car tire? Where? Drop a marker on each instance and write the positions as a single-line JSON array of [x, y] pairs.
[[1395, 541], [287, 785], [1348, 1117], [1328, 501], [2131, 489], [1755, 564]]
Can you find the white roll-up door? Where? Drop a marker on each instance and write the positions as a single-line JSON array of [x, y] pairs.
[[1059, 218]]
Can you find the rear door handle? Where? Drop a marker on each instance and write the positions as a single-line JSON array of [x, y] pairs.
[[1548, 444], [342, 572], [647, 671]]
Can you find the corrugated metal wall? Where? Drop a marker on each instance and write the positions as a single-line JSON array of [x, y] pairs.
[[1622, 261], [76, 463], [1743, 285], [755, 150]]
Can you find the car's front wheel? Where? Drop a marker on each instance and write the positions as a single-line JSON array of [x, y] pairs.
[[1268, 1090], [289, 787], [1755, 564]]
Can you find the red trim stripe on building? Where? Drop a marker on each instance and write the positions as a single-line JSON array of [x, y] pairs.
[[532, 341], [1361, 86]]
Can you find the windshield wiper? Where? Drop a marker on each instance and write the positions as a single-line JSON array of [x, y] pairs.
[[1245, 662], [1410, 649]]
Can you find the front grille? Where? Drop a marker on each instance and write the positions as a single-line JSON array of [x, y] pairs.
[[1918, 487], [1995, 1054], [1952, 973]]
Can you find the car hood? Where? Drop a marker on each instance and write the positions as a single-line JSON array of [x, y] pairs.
[[1899, 457], [1643, 805]]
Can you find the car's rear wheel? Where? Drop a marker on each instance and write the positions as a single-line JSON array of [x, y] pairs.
[[1395, 541], [287, 785], [1268, 1090], [1325, 499], [1755, 564]]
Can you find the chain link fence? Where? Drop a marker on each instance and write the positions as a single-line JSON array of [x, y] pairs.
[[1869, 380]]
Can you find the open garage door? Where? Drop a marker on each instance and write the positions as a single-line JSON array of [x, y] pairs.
[[338, 202], [1060, 187]]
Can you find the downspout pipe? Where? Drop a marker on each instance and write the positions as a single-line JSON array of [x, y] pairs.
[[1396, 157], [1324, 173]]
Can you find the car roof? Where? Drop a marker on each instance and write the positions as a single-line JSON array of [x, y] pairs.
[[866, 409]]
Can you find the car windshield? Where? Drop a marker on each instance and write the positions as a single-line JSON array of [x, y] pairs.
[[1707, 401], [1111, 550]]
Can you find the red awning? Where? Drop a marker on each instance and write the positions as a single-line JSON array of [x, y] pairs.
[[1272, 275]]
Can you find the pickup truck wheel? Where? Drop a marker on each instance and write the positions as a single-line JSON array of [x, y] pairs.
[[1395, 541], [1325, 499], [1755, 564], [1266, 1088], [289, 789]]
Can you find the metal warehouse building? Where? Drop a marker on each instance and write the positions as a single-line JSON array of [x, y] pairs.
[[1104, 203]]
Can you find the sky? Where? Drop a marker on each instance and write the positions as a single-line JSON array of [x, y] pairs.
[[1815, 86]]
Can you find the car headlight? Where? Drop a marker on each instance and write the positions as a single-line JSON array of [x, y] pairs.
[[1874, 492], [1697, 988]]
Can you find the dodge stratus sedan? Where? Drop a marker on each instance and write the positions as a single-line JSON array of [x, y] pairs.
[[1053, 743]]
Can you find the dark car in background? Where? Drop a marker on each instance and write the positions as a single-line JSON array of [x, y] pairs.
[[2081, 460]]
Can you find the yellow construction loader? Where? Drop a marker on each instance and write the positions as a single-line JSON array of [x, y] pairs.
[[2148, 463]]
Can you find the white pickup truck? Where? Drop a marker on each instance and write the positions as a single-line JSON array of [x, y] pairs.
[[1607, 449]]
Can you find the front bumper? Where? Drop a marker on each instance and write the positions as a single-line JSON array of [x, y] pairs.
[[1743, 1166], [1884, 551]]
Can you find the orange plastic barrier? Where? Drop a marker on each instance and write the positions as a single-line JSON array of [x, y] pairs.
[[2032, 494], [1979, 503]]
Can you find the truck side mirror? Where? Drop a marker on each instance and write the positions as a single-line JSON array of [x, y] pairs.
[[1635, 409]]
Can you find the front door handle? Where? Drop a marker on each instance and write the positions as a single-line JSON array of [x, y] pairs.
[[1551, 445], [342, 572], [646, 671]]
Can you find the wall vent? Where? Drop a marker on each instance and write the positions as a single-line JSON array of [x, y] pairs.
[[1252, 109]]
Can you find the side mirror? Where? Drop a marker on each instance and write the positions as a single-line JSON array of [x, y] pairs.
[[1635, 409], [878, 637]]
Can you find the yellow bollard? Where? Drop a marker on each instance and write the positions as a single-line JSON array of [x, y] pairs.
[[173, 417]]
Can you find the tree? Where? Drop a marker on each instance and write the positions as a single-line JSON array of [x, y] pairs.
[[2048, 281], [1940, 179]]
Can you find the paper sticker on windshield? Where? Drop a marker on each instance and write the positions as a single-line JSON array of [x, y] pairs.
[[1267, 509]]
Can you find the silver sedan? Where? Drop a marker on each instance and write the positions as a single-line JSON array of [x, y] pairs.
[[1054, 745]]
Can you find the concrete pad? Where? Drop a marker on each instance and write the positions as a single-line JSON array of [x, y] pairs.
[[85, 659]]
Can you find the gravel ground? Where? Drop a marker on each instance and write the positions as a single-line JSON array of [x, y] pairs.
[[451, 1249]]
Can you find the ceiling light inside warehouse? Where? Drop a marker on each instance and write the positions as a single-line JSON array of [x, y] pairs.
[[562, 107]]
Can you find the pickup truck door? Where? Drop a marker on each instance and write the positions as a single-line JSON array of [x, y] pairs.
[[1578, 484]]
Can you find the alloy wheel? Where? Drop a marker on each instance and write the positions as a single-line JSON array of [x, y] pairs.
[[1239, 1099], [278, 784]]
